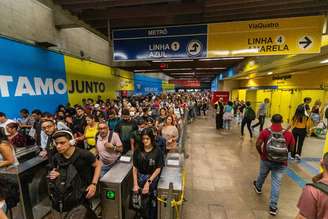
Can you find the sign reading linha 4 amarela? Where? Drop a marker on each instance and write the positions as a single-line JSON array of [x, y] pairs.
[[284, 36]]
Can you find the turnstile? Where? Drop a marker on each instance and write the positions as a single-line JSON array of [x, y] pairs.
[[31, 179], [115, 187], [169, 175]]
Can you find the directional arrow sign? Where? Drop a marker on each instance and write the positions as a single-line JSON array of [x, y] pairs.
[[305, 42]]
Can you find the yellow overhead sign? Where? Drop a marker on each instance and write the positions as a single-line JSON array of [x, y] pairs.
[[284, 36]]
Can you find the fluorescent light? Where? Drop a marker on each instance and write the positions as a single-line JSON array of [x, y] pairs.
[[243, 51], [270, 73], [324, 61], [175, 60], [211, 68], [224, 58], [182, 73], [178, 69]]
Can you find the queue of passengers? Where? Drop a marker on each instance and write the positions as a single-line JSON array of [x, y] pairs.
[[82, 143]]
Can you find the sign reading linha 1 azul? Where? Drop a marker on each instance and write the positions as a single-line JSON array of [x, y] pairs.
[[157, 43]]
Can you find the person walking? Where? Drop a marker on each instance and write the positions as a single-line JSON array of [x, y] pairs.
[[300, 127], [273, 145], [261, 113], [248, 117]]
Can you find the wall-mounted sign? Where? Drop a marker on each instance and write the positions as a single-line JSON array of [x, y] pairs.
[[299, 35], [186, 83]]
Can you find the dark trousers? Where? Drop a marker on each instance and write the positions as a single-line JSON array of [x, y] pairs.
[[247, 122], [219, 121], [299, 136], [260, 123]]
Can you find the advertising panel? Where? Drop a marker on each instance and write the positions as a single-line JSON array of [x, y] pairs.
[[31, 78]]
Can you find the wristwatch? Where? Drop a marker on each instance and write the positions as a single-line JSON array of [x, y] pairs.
[[95, 184], [149, 181]]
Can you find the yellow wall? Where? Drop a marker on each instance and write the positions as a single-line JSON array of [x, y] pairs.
[[82, 71]]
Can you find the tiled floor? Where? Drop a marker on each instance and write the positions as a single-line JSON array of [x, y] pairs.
[[220, 170]]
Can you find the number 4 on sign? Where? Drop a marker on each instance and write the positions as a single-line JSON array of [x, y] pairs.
[[280, 39]]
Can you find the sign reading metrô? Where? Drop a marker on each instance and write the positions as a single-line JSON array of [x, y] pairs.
[[174, 42], [299, 35]]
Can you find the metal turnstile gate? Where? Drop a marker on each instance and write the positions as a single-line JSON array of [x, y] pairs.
[[115, 187], [170, 175]]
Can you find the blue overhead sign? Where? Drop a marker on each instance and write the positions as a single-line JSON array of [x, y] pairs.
[[176, 42]]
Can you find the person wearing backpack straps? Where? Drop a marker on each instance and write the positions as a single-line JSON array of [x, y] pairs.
[[73, 177], [248, 117], [109, 147], [273, 145], [313, 202]]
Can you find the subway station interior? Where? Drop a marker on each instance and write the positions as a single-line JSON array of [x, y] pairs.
[[163, 109]]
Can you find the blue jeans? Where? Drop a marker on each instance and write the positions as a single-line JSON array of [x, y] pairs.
[[277, 172]]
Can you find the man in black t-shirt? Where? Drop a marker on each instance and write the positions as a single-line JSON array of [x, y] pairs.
[[86, 164], [124, 128], [79, 124]]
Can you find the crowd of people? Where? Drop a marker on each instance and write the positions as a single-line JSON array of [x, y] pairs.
[[82, 143]]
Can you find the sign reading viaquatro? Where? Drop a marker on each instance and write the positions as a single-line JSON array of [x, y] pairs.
[[284, 36], [160, 43]]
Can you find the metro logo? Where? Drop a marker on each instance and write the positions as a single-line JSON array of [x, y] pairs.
[[38, 86]]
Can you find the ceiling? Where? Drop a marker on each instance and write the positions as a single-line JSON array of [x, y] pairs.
[[106, 15]]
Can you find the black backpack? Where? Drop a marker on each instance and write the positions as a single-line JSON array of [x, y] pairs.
[[321, 186], [250, 114], [276, 146], [67, 191]]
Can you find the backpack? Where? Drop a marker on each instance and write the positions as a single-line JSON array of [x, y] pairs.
[[67, 191], [301, 109], [319, 185], [276, 146], [250, 114]]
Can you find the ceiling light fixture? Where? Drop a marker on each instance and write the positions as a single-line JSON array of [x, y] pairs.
[[178, 69], [270, 73], [147, 70], [216, 68], [324, 61]]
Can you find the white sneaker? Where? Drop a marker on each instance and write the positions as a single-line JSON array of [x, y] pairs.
[[297, 157]]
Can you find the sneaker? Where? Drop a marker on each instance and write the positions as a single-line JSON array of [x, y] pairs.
[[273, 211], [256, 189], [297, 157]]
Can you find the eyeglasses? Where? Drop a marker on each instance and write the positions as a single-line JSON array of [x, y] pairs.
[[145, 138], [47, 127]]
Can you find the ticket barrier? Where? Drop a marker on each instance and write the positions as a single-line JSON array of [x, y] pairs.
[[170, 187], [115, 187], [30, 176]]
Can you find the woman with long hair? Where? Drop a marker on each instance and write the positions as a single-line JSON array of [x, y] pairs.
[[300, 127], [147, 164], [171, 134]]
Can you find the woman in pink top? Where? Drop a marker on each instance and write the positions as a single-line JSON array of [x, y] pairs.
[[171, 134], [313, 203]]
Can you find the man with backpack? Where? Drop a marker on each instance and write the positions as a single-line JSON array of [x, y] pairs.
[[109, 147], [273, 145], [73, 177], [313, 202]]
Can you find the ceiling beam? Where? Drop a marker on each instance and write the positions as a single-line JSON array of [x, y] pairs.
[[145, 11], [89, 4]]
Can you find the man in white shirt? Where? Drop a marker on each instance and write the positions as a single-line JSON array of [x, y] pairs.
[[4, 121]]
